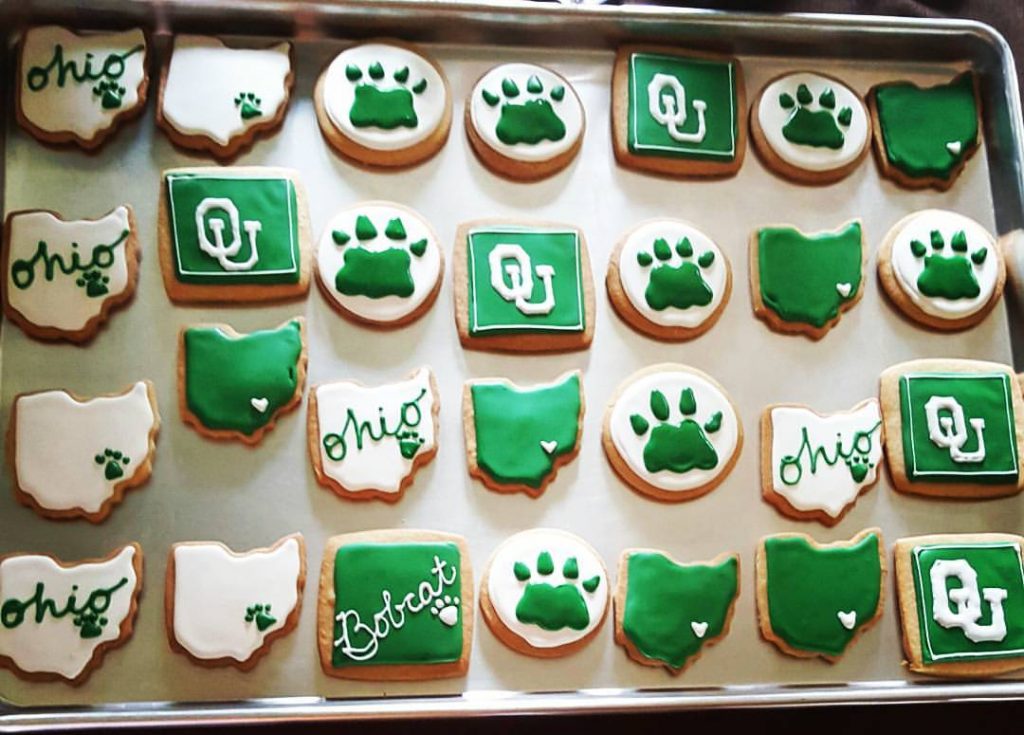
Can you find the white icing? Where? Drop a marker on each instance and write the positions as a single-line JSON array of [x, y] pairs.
[[339, 94], [907, 267], [847, 618], [61, 303], [635, 277], [700, 628], [213, 589], [205, 77], [57, 440], [425, 270], [75, 108], [485, 117], [636, 399], [55, 645], [968, 597], [772, 117], [505, 590], [379, 465], [831, 488]]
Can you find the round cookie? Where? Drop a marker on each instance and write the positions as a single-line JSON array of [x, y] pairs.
[[379, 263], [671, 432], [942, 269], [668, 279], [524, 121], [545, 593], [809, 127], [383, 103]]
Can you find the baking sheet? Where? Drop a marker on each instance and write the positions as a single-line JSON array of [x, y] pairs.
[[250, 497]]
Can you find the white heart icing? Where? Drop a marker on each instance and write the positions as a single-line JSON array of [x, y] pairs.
[[844, 289], [549, 446], [954, 147], [848, 619], [260, 404], [699, 629]]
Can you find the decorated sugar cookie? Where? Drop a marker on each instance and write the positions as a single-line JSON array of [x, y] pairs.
[[524, 121], [517, 438], [395, 605], [671, 432], [801, 283], [64, 277], [952, 428], [668, 279], [384, 103], [379, 263], [79, 87], [75, 457], [226, 608], [58, 619], [523, 287], [545, 593], [924, 135], [814, 466], [678, 113], [218, 98], [231, 235], [810, 127], [942, 269], [369, 441], [666, 613], [817, 599], [961, 600], [235, 386]]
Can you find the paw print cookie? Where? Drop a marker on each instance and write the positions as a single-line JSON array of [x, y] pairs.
[[671, 432], [384, 104], [669, 280], [810, 127], [524, 121], [545, 593], [942, 269]]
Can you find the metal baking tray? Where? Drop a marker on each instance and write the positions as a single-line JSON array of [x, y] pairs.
[[248, 498]]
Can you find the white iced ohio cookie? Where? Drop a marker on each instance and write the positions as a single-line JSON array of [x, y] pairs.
[[77, 457], [219, 93], [58, 619], [75, 87], [548, 589], [379, 263], [228, 607]]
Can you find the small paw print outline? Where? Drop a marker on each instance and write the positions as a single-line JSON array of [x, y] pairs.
[[113, 463], [948, 276], [249, 105], [111, 94], [821, 128], [446, 609], [680, 286], [90, 624], [94, 283]]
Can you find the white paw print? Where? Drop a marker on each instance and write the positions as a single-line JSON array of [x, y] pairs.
[[446, 609]]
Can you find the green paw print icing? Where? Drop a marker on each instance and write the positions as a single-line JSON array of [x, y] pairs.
[[677, 447], [260, 614], [859, 466], [821, 128], [94, 283], [680, 286], [948, 276], [527, 117], [111, 94], [409, 442], [389, 108], [554, 607], [90, 624], [377, 273], [113, 463], [249, 105]]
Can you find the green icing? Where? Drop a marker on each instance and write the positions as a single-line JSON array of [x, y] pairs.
[[374, 429], [87, 616], [809, 589], [249, 105], [90, 275], [554, 607], [365, 229], [678, 447], [928, 132], [948, 276], [801, 276], [529, 121], [856, 456], [107, 90], [818, 128], [667, 604], [969, 435], [377, 273], [678, 285], [397, 603], [113, 462], [227, 378], [512, 426], [260, 615], [390, 108]]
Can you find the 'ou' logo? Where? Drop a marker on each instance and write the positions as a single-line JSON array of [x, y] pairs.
[[666, 99], [511, 261], [968, 601], [950, 431], [217, 249]]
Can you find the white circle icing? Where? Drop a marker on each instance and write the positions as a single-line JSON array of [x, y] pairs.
[[205, 82], [485, 117], [772, 117], [339, 94], [907, 267], [214, 589], [424, 269], [635, 277], [505, 590], [635, 398]]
